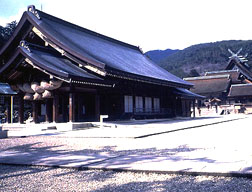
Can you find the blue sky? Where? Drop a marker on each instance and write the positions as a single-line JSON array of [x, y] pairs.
[[11, 7], [150, 24]]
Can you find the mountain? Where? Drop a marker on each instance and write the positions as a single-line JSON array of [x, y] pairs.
[[197, 59], [158, 55]]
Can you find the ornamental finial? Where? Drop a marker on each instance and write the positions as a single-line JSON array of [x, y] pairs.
[[24, 44], [237, 56], [32, 9]]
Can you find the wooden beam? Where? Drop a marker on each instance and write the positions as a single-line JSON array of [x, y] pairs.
[[35, 111], [8, 109], [48, 116], [194, 108], [64, 108], [97, 107], [55, 108], [21, 109], [71, 107]]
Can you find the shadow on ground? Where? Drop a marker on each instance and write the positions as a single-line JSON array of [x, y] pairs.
[[105, 157]]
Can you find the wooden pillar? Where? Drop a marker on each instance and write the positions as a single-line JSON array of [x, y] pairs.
[[80, 108], [97, 107], [194, 108], [71, 107], [20, 109], [188, 109], [134, 103], [8, 109], [55, 108], [152, 105], [183, 108], [64, 108], [144, 108], [175, 106], [48, 115], [35, 111]]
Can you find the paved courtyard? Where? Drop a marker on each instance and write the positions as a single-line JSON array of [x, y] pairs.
[[215, 146]]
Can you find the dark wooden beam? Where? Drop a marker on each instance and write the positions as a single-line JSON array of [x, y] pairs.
[[21, 109], [64, 108], [48, 116], [55, 108], [8, 109], [35, 111], [79, 107], [97, 107], [71, 107], [194, 108]]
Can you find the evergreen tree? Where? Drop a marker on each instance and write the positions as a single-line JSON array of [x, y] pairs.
[[6, 32]]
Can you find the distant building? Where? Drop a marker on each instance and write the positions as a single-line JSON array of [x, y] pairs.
[[232, 86], [68, 73], [211, 87]]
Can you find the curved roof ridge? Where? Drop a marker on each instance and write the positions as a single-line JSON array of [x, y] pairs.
[[241, 85], [207, 77], [88, 30], [221, 71]]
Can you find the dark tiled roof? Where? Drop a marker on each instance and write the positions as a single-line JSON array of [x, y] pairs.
[[185, 93], [234, 74], [114, 54], [240, 90], [48, 61], [5, 89], [210, 85], [97, 49], [55, 63]]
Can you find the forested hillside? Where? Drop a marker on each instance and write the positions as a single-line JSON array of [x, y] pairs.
[[197, 59], [159, 55], [6, 32]]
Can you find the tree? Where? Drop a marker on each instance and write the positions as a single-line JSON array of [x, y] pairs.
[[194, 73], [6, 32]]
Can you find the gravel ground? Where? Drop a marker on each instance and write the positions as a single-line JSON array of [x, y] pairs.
[[25, 178]]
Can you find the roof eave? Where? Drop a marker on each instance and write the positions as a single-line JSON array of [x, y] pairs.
[[144, 79]]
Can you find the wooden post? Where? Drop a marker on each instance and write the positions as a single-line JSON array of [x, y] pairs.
[[97, 107], [152, 105], [21, 109], [194, 108], [175, 106], [55, 108], [79, 107], [71, 107], [35, 111], [144, 108], [48, 116], [12, 108], [8, 110], [183, 108], [64, 108], [134, 103]]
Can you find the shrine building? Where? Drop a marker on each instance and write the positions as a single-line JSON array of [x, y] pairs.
[[67, 73]]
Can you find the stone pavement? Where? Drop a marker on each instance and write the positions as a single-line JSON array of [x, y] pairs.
[[206, 159]]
